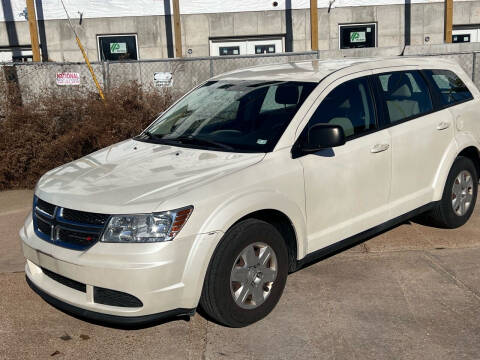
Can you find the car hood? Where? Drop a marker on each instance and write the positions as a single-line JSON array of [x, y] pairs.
[[134, 176]]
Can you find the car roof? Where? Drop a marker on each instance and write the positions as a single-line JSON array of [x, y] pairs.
[[316, 70]]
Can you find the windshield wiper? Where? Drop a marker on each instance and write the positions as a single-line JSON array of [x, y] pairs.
[[201, 141], [187, 139], [146, 134]]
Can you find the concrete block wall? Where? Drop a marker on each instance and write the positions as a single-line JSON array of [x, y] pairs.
[[426, 23]]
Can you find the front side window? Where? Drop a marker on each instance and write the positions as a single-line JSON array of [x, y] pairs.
[[451, 88], [349, 105], [405, 94], [243, 116]]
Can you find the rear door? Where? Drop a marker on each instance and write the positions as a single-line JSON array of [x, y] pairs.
[[420, 137]]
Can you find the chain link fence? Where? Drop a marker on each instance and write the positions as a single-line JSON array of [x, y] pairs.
[[25, 81]]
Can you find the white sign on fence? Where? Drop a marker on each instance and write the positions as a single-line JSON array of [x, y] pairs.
[[68, 78], [163, 79]]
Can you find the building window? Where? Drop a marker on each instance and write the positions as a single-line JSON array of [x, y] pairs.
[[460, 38], [229, 50], [117, 47], [357, 36], [258, 45], [466, 33], [265, 49], [16, 54]]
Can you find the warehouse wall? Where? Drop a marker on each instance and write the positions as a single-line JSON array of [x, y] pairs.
[[426, 23]]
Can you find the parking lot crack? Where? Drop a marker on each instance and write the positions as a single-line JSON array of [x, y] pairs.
[[450, 274]]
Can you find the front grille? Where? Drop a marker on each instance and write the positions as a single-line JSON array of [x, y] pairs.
[[76, 237], [44, 227], [45, 207], [84, 217], [69, 228], [115, 298], [65, 281]]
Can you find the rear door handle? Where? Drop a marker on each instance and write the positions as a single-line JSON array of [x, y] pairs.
[[443, 125], [379, 148]]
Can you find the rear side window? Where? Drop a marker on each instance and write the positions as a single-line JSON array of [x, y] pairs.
[[350, 106], [451, 88], [405, 94]]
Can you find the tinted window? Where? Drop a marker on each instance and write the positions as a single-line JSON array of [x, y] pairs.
[[265, 49], [451, 87], [405, 94], [229, 50], [348, 105], [231, 115], [120, 47], [357, 36]]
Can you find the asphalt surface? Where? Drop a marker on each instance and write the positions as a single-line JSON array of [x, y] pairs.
[[411, 293]]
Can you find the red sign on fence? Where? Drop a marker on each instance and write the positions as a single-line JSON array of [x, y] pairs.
[[68, 78]]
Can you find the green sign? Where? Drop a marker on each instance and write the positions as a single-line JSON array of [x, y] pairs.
[[358, 36], [118, 48]]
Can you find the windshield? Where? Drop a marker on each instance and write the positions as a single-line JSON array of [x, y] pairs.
[[240, 116]]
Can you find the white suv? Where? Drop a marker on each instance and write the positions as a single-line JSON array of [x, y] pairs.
[[248, 177]]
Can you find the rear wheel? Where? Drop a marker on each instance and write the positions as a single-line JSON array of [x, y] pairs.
[[459, 196], [246, 275]]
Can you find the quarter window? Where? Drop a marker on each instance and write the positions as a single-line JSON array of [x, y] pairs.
[[350, 106], [451, 88], [406, 95]]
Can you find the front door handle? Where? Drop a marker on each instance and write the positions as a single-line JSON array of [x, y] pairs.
[[443, 125], [379, 148]]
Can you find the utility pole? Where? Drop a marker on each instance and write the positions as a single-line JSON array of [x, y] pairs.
[[84, 53], [178, 28], [448, 20], [314, 24], [32, 24]]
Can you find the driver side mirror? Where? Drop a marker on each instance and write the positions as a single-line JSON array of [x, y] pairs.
[[323, 136]]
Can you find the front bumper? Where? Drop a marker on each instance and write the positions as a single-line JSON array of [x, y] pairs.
[[106, 318], [166, 277]]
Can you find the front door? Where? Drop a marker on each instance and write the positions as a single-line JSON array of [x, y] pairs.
[[347, 187]]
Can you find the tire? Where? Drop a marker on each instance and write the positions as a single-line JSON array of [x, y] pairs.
[[220, 288], [443, 214]]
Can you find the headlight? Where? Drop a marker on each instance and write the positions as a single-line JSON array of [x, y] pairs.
[[145, 228]]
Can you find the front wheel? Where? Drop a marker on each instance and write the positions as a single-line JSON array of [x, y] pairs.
[[459, 196], [246, 275]]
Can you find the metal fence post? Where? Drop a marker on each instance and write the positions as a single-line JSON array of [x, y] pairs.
[[140, 73], [474, 65], [107, 76], [104, 76]]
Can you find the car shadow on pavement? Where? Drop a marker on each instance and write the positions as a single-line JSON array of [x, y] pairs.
[[351, 245]]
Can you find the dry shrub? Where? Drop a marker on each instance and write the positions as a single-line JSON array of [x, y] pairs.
[[54, 130]]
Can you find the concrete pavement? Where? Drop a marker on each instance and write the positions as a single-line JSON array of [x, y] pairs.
[[410, 293], [14, 208]]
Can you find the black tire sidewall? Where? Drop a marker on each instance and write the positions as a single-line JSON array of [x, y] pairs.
[[257, 231], [453, 220]]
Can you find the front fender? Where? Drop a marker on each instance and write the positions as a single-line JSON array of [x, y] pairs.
[[233, 209], [221, 219]]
